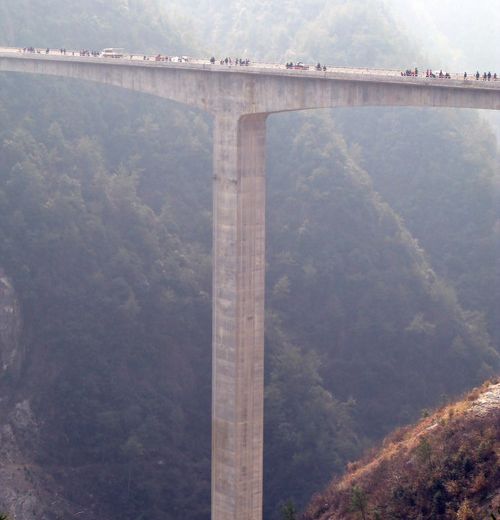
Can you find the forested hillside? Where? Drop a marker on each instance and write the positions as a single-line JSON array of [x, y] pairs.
[[105, 233]]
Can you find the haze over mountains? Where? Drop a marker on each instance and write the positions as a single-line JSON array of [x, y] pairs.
[[383, 275], [462, 34]]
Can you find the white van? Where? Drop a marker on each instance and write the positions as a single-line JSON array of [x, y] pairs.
[[112, 52]]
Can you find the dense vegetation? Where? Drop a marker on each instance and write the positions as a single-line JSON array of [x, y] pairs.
[[445, 467], [446, 188], [105, 230]]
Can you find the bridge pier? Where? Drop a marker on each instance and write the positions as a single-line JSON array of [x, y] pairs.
[[238, 316]]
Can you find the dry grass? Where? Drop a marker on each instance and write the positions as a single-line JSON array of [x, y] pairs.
[[429, 468]]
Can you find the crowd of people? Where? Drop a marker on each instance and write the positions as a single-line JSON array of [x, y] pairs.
[[429, 73], [62, 51], [487, 76], [230, 61], [85, 52]]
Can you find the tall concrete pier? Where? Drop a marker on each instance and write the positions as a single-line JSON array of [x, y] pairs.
[[240, 98], [238, 316]]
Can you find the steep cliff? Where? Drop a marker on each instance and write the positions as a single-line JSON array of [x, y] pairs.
[[19, 492]]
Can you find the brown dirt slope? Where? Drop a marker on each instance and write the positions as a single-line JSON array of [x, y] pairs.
[[446, 467]]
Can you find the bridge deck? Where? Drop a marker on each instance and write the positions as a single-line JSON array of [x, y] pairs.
[[334, 73]]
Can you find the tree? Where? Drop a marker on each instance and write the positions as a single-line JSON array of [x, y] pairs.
[[288, 511], [359, 501]]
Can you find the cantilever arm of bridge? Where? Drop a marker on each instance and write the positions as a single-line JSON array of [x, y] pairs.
[[242, 90]]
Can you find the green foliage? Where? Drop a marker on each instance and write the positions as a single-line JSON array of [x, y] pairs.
[[307, 431], [288, 511], [359, 502], [424, 451], [447, 191]]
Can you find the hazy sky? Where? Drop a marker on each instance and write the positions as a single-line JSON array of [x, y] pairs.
[[462, 34]]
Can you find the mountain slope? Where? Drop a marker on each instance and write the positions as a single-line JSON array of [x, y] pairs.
[[446, 467]]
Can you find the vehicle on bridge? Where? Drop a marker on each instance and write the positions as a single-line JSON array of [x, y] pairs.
[[297, 66], [112, 52]]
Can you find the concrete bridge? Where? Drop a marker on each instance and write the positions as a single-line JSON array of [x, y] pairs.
[[240, 99]]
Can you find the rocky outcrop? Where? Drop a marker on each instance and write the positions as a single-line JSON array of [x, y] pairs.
[[27, 491], [19, 494], [11, 349]]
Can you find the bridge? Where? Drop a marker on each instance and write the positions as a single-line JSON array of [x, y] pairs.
[[240, 98]]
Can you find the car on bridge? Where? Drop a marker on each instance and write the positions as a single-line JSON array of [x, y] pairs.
[[112, 52], [300, 66]]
